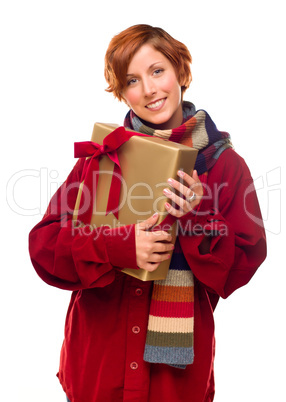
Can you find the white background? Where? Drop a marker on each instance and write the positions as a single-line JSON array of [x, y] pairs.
[[52, 92]]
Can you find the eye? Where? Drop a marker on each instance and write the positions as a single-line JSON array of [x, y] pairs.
[[131, 81], [158, 71]]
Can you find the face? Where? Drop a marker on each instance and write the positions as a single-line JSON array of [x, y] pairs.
[[152, 90]]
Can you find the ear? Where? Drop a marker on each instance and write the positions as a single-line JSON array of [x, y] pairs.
[[183, 89]]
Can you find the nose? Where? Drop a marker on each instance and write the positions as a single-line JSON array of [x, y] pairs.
[[149, 87]]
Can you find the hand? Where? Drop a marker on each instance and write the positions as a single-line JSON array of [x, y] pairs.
[[192, 189], [151, 247]]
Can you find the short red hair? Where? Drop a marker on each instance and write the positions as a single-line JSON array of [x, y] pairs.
[[123, 46]]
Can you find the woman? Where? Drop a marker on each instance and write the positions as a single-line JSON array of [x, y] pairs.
[[107, 354]]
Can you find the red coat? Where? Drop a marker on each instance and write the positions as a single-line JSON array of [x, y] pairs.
[[102, 354]]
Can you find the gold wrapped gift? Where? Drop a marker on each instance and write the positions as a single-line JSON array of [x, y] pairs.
[[146, 164]]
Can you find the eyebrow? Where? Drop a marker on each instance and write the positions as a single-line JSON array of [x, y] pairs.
[[149, 68]]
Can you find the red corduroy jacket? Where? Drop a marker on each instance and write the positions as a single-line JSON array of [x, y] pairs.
[[102, 353]]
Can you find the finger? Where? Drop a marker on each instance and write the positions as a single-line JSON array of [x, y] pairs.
[[150, 266], [195, 176], [179, 186], [148, 223], [159, 236], [156, 237], [163, 247], [192, 183], [177, 199], [159, 257], [190, 180], [173, 211], [154, 261], [147, 239]]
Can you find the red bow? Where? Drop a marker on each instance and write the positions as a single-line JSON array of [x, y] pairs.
[[94, 151], [111, 143]]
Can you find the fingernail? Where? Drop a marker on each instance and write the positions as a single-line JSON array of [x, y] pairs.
[[167, 205], [181, 173], [166, 191], [170, 181], [155, 215]]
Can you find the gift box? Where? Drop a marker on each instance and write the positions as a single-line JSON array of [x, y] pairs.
[[123, 182]]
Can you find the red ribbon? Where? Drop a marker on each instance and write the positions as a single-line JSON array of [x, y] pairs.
[[85, 149], [94, 151]]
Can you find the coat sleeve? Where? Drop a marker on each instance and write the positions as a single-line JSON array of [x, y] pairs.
[[75, 258], [224, 239]]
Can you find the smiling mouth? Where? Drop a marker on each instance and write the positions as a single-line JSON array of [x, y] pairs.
[[156, 105]]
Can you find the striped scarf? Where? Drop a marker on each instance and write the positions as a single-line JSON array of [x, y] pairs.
[[170, 331]]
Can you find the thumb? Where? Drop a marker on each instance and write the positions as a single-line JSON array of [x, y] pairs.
[[195, 175], [148, 223]]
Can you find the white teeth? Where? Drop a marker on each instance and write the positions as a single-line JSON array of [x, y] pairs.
[[156, 104]]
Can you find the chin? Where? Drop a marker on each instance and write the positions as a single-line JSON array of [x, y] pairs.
[[158, 120]]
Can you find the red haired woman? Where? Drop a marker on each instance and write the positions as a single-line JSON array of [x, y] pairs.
[[121, 344]]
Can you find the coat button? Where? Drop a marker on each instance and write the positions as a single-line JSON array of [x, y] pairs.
[[138, 292], [136, 329], [134, 365]]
